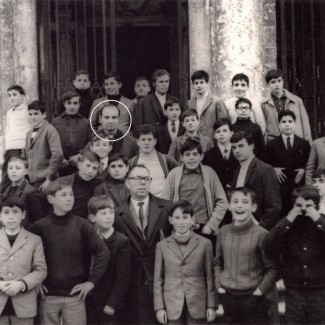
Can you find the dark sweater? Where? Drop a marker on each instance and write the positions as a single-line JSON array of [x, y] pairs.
[[69, 243], [87, 98], [302, 247]]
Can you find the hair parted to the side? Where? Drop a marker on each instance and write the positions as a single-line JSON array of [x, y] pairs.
[[69, 95], [272, 74], [241, 135], [20, 89], [17, 158], [37, 105], [57, 185], [246, 191], [307, 192], [220, 122], [188, 113], [117, 156], [13, 201], [185, 206], [171, 102], [190, 145], [91, 156], [100, 202]]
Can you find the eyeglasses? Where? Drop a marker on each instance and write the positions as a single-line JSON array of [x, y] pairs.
[[139, 179], [245, 108]]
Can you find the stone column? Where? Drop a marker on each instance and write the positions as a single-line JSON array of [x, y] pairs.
[[18, 53]]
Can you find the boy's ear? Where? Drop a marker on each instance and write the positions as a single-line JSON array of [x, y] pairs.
[[24, 214], [120, 84], [92, 218], [170, 220], [254, 207], [50, 198]]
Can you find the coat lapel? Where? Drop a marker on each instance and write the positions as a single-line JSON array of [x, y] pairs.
[[193, 242], [173, 246], [156, 106], [4, 242], [250, 170], [207, 103], [20, 241], [38, 133], [153, 215]]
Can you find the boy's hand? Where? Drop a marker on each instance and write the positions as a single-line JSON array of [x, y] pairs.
[[83, 289], [206, 230], [293, 213], [44, 186], [13, 287], [65, 163], [73, 160], [161, 316], [108, 310], [313, 214], [300, 175], [280, 174], [3, 285], [221, 290], [257, 292], [211, 314], [42, 290]]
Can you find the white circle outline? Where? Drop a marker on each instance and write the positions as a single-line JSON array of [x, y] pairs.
[[94, 109]]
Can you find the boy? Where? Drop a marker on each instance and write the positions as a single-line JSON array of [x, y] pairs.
[[114, 184], [141, 88], [242, 269], [199, 185], [240, 86], [71, 247], [81, 85], [23, 265], [84, 181], [316, 159], [112, 85], [74, 131], [191, 122], [208, 107], [281, 99], [299, 240], [288, 154], [319, 184], [172, 128], [106, 299], [158, 164], [184, 291], [243, 108], [17, 126], [43, 149], [36, 208], [220, 158]]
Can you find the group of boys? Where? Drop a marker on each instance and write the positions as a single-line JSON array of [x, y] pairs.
[[152, 261]]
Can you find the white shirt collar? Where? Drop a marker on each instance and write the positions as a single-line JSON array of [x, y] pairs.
[[284, 138], [135, 203], [245, 164]]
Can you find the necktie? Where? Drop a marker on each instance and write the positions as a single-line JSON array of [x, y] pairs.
[[173, 127], [288, 144], [141, 213], [225, 154]]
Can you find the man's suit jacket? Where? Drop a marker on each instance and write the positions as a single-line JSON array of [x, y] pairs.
[[316, 159], [164, 140], [262, 179], [149, 111], [214, 108], [25, 261]]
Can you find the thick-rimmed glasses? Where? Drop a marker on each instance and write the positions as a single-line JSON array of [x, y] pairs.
[[139, 179]]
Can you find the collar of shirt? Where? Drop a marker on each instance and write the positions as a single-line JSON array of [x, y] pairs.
[[284, 138], [197, 170], [276, 98], [64, 115], [186, 136], [223, 148], [18, 108], [145, 205], [104, 162], [245, 164], [161, 97], [169, 124]]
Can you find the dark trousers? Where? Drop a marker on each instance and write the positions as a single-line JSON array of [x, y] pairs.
[[5, 182], [305, 306], [245, 309], [98, 317], [186, 319]]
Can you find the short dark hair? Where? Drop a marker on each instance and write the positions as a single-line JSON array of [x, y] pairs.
[[91, 156], [190, 145], [114, 75], [101, 134], [200, 74], [159, 73], [109, 105], [243, 100], [20, 89], [13, 201], [68, 95], [116, 157], [137, 166], [146, 129], [273, 74], [171, 102], [241, 135], [100, 202], [185, 206], [238, 77], [37, 105], [57, 185], [319, 173], [307, 192], [143, 78], [246, 191], [17, 158], [286, 112], [81, 72], [220, 122], [188, 113]]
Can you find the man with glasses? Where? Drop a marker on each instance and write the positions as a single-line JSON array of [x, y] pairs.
[[144, 220]]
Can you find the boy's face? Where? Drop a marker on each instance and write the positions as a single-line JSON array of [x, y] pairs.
[[82, 82], [162, 84], [117, 169], [101, 147], [12, 217], [191, 123], [173, 112], [200, 86], [241, 207], [303, 204], [192, 159], [242, 150], [223, 134], [88, 170], [15, 98], [287, 125], [103, 219], [276, 86], [16, 170], [110, 118], [112, 87], [72, 105], [182, 222], [243, 111], [319, 183], [142, 88], [240, 87], [62, 200], [146, 143], [36, 117]]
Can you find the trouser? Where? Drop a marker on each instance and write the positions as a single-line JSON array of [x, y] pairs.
[[186, 318], [14, 320]]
